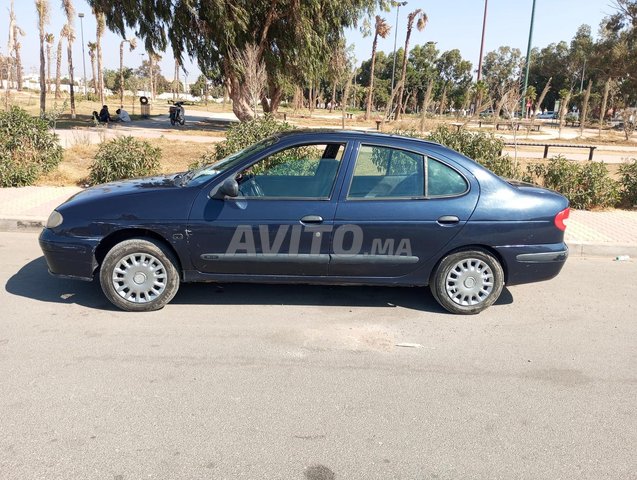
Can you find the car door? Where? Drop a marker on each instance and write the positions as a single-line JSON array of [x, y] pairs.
[[281, 221], [398, 207]]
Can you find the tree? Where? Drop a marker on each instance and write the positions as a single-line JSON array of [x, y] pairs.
[[92, 49], [132, 43], [501, 71], [99, 32], [50, 40], [252, 70], [421, 19], [58, 65], [42, 7], [381, 29], [293, 38], [69, 11]]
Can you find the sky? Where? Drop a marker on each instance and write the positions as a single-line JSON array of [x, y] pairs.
[[452, 24]]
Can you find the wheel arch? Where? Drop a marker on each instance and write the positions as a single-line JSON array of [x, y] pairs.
[[112, 239], [492, 251]]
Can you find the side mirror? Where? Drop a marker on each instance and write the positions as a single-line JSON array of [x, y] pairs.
[[229, 188]]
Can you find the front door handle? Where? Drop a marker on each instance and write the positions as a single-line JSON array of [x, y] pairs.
[[312, 219], [448, 220]]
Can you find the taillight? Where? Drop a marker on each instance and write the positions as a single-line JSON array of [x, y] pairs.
[[561, 218]]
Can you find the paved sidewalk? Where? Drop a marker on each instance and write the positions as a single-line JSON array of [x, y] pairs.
[[609, 233]]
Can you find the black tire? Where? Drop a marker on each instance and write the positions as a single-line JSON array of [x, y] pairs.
[[467, 282], [172, 121], [143, 100], [182, 121], [144, 287]]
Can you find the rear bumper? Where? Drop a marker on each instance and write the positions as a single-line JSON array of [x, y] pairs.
[[69, 257], [533, 263]]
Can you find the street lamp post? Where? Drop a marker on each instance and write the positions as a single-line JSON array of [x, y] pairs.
[[393, 70], [528, 58], [484, 27], [81, 15]]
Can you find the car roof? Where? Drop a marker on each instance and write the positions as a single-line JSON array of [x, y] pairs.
[[354, 134]]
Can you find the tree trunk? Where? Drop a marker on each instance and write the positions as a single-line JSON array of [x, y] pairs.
[[333, 100], [584, 113], [425, 104], [564, 111], [94, 74], [48, 68], [176, 81], [151, 64], [69, 51], [370, 92], [602, 115], [121, 74], [58, 70], [404, 72], [42, 75], [443, 100], [240, 102], [100, 64], [18, 64], [538, 105]]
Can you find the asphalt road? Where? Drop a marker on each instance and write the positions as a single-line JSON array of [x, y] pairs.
[[295, 382]]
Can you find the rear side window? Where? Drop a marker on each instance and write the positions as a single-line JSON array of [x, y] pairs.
[[383, 172], [443, 181]]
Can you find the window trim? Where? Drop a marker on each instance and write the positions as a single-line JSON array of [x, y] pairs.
[[426, 196]]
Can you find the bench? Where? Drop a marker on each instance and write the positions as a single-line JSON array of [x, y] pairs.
[[591, 148], [457, 125], [517, 125]]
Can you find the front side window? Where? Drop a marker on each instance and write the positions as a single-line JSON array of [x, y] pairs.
[[383, 172], [306, 171]]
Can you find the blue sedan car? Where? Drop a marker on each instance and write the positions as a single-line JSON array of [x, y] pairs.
[[314, 207]]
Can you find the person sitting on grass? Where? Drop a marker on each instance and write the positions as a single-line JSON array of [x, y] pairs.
[[122, 116], [104, 116]]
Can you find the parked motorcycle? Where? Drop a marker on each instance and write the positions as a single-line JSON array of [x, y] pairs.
[[177, 113]]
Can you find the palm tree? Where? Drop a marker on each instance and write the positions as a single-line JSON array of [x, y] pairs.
[[92, 48], [58, 66], [132, 42], [69, 10], [381, 30], [421, 19], [43, 18], [50, 39], [101, 26]]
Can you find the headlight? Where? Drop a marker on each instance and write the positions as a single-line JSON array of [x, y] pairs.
[[55, 219]]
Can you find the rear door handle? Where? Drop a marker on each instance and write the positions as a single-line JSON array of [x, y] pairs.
[[448, 220], [312, 219]]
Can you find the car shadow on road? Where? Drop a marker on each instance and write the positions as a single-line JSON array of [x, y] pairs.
[[33, 281]]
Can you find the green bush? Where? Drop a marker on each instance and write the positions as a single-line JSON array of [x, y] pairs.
[[242, 135], [124, 157], [586, 185], [27, 148], [482, 147], [628, 182]]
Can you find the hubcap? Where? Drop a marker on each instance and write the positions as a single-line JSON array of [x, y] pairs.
[[139, 278], [469, 282]]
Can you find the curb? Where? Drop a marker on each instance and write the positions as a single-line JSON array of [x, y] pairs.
[[21, 225], [606, 250]]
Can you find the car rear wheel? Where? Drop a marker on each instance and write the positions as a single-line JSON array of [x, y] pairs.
[[467, 282], [139, 275]]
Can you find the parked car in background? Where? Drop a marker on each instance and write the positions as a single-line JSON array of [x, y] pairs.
[[547, 116], [314, 207]]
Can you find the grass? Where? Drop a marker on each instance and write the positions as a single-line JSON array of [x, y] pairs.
[[76, 162]]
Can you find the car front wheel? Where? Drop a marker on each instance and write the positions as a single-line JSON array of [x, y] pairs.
[[139, 275], [467, 282]]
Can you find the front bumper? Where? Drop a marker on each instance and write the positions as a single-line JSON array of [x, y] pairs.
[[70, 257], [533, 263]]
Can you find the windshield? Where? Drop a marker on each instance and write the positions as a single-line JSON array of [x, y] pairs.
[[205, 173]]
